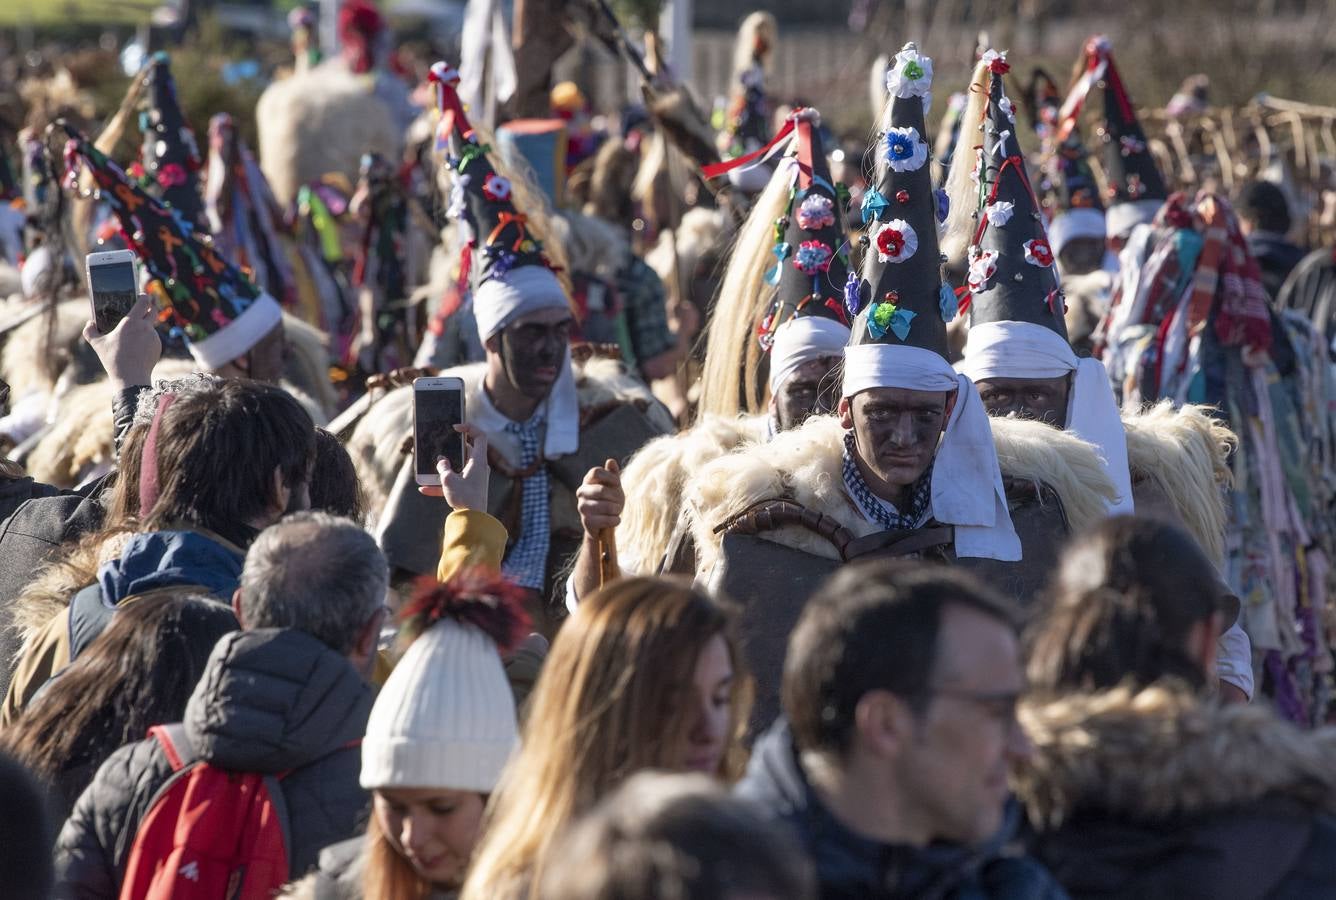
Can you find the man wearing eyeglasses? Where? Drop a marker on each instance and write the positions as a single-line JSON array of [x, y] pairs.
[[899, 692]]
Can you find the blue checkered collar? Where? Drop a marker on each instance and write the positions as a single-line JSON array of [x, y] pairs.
[[878, 511]]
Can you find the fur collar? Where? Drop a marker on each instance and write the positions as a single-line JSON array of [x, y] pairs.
[[1161, 753], [804, 465]]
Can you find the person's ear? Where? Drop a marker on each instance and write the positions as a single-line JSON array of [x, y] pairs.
[[883, 722], [493, 343], [846, 412], [281, 495], [1202, 643], [236, 608]]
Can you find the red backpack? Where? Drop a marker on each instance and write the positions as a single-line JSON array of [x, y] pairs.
[[209, 834]]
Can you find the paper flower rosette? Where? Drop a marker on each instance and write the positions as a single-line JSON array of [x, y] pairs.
[[812, 257], [815, 212], [1000, 213], [983, 266], [895, 241], [884, 317], [1038, 253], [910, 75], [905, 150]]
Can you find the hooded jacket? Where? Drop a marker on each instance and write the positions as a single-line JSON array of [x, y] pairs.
[[1157, 794], [270, 701], [850, 866], [152, 561]]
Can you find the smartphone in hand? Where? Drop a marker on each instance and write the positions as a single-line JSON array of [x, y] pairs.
[[438, 406], [113, 286]]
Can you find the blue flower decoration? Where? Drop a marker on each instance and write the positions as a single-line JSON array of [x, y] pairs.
[[947, 302], [943, 206], [853, 294], [873, 204], [782, 250]]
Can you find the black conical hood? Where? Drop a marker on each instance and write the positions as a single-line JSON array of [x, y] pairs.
[[480, 196], [901, 292], [170, 155], [1129, 167], [1011, 275], [1072, 184], [811, 253]]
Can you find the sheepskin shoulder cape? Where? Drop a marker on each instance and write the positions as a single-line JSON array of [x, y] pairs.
[[805, 466], [1161, 753], [377, 442], [655, 478], [1179, 462]]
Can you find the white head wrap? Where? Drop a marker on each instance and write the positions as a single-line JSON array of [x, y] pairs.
[[1123, 217], [1027, 350], [525, 290], [1082, 222], [799, 341], [967, 487]]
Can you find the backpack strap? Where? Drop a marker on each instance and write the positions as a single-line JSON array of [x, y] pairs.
[[175, 745]]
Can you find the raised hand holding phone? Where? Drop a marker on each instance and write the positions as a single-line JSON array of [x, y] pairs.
[[466, 489], [132, 348]]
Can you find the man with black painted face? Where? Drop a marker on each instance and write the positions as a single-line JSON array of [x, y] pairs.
[[812, 390], [1017, 351]]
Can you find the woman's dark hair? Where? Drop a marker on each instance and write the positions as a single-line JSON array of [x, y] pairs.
[[335, 488], [138, 673], [217, 449], [1123, 603]]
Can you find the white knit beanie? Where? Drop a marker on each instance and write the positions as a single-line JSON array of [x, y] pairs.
[[445, 717]]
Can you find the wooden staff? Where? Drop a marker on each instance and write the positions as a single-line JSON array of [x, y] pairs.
[[608, 570]]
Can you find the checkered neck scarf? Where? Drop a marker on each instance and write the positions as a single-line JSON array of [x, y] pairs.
[[526, 562], [876, 511]]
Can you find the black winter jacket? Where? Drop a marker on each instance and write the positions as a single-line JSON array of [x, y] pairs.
[[849, 866], [270, 701]]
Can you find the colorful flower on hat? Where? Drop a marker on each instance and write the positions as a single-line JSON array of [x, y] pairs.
[[947, 303], [943, 200], [1000, 212], [496, 188], [853, 293], [895, 241], [978, 165], [910, 75], [884, 317], [172, 175], [905, 150], [983, 265], [1008, 109], [782, 250], [816, 211], [1038, 253], [996, 62], [1129, 144], [873, 203], [813, 257], [458, 208]]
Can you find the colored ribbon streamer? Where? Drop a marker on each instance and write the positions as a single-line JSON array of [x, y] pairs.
[[755, 158]]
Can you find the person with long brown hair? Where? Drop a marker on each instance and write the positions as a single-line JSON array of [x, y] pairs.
[[644, 676], [137, 674]]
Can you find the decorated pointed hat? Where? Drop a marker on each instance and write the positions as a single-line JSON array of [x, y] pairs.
[[747, 122], [1070, 195], [219, 313], [807, 318], [900, 298], [510, 274], [170, 156], [1135, 188], [1011, 274]]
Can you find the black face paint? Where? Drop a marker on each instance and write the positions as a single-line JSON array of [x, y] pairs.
[[896, 432], [532, 355], [1044, 399], [813, 390]]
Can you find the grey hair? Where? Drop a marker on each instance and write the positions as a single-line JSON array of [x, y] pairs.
[[147, 402], [315, 573]]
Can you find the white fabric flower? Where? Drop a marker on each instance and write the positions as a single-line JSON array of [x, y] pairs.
[[1008, 108], [905, 150], [910, 75], [895, 241], [982, 267], [1000, 213]]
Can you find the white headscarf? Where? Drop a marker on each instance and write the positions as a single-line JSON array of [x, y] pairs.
[[967, 487], [799, 341], [1027, 350], [524, 290]]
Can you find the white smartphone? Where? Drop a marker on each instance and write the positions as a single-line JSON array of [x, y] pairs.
[[113, 286], [438, 406]]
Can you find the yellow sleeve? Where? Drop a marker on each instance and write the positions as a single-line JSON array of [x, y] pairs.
[[471, 538], [47, 655]]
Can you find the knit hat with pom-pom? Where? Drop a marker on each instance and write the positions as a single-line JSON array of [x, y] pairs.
[[446, 716]]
